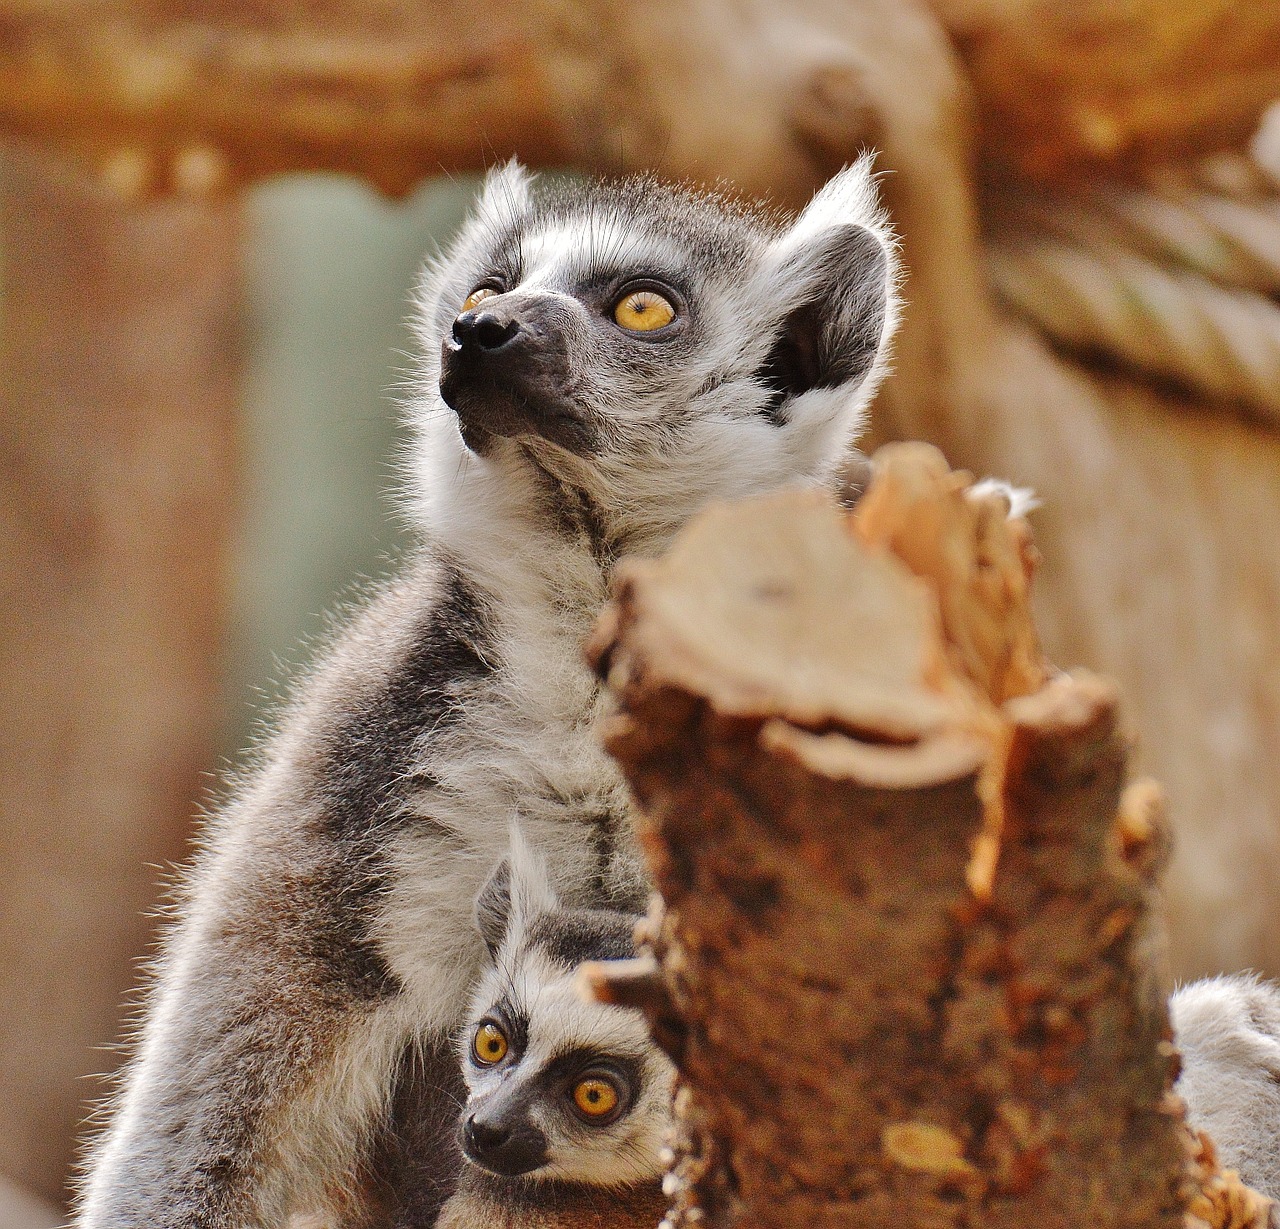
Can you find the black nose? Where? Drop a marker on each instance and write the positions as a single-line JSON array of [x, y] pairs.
[[487, 1135], [483, 331], [503, 1148]]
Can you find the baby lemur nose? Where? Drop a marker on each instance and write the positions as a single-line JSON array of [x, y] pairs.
[[483, 331], [487, 1134], [502, 1148]]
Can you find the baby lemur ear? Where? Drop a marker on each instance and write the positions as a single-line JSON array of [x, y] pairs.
[[493, 907], [836, 271], [517, 893], [505, 195]]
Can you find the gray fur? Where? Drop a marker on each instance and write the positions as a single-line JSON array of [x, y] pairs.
[[485, 1202], [326, 941], [1228, 1031], [493, 907]]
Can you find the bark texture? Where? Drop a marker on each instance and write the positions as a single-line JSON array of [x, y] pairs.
[[904, 952]]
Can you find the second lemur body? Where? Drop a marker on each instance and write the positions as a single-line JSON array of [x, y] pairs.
[[568, 1101], [1228, 1032], [600, 362]]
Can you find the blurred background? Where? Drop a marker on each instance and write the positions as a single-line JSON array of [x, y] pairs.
[[211, 218]]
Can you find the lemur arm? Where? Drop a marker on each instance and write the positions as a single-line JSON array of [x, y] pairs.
[[275, 1024], [258, 1070]]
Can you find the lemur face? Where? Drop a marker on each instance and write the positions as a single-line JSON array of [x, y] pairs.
[[558, 1087], [643, 342]]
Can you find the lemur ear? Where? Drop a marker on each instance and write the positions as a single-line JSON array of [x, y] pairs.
[[505, 195], [493, 907], [835, 268], [518, 892]]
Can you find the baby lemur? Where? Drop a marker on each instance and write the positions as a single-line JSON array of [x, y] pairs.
[[600, 361], [568, 1101]]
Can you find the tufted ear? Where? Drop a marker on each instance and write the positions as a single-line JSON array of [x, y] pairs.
[[505, 194], [835, 270], [518, 892], [493, 907]]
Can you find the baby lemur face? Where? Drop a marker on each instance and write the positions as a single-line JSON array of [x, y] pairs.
[[653, 346], [558, 1088]]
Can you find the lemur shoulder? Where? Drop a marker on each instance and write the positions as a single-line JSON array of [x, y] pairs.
[[600, 360]]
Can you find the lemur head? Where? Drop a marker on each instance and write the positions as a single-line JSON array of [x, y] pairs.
[[558, 1088], [647, 347]]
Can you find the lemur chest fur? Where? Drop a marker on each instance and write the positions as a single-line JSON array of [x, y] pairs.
[[517, 744]]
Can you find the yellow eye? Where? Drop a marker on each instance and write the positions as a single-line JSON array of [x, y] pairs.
[[642, 311], [489, 1046], [478, 296], [595, 1097]]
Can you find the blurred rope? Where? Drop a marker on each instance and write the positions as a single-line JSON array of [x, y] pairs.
[[1180, 281]]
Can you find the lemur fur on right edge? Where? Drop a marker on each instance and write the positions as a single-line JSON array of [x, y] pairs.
[[601, 360], [1228, 1032]]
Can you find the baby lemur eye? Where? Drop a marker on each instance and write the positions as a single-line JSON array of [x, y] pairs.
[[489, 1046], [477, 296], [642, 311], [596, 1098]]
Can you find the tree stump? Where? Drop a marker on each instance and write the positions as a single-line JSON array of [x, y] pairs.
[[904, 958]]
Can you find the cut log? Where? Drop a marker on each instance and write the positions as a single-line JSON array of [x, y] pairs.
[[902, 960]]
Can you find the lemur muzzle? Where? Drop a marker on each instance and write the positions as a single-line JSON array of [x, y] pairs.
[[504, 372]]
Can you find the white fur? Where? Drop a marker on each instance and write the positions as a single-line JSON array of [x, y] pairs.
[[524, 747], [530, 740], [659, 472], [1021, 500]]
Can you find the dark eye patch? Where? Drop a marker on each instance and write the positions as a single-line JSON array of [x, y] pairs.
[[602, 285], [567, 1068]]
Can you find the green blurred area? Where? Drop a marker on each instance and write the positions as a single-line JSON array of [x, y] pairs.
[[329, 271]]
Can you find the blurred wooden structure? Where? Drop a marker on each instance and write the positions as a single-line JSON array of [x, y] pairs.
[[20, 1210], [119, 460], [118, 492], [768, 95]]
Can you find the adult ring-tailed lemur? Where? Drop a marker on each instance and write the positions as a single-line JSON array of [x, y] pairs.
[[600, 361]]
